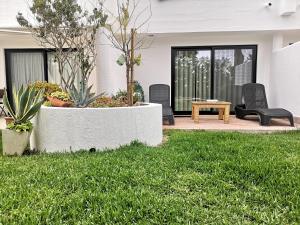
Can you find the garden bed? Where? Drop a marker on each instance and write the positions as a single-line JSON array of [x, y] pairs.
[[73, 129]]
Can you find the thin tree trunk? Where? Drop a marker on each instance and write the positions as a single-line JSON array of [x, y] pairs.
[[132, 36], [128, 82], [63, 83]]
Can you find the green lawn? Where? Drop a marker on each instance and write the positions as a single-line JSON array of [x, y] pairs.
[[194, 178]]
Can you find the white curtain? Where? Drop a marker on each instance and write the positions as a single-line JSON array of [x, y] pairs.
[[192, 78], [26, 68], [53, 71]]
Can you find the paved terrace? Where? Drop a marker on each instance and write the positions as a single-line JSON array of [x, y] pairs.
[[211, 122]]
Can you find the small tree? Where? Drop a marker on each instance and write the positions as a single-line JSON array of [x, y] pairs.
[[71, 31], [125, 34]]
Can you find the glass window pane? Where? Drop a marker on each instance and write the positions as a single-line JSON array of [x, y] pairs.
[[26, 67], [192, 78], [232, 69]]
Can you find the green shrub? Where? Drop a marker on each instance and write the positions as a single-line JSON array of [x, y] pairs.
[[27, 126], [48, 88], [120, 95], [138, 94], [47, 103]]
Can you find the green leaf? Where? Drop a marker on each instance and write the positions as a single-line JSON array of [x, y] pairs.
[[24, 101], [121, 60], [8, 106], [31, 112]]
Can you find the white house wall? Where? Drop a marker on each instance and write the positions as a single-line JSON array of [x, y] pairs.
[[172, 16], [156, 62], [286, 79]]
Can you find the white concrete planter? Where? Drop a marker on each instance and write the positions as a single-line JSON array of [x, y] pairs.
[[73, 129], [14, 143]]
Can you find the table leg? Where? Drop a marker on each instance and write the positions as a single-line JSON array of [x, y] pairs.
[[196, 114], [221, 114], [226, 114], [193, 113]]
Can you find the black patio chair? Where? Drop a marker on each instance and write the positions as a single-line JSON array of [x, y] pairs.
[[255, 103], [160, 93]]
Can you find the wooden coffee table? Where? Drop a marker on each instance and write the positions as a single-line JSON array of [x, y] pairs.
[[223, 107]]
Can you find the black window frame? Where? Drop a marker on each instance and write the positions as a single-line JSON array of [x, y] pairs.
[[174, 50]]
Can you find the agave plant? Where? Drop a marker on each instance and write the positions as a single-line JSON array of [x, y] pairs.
[[82, 96], [27, 102]]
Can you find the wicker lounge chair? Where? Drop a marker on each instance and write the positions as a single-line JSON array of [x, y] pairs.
[[160, 93], [255, 103]]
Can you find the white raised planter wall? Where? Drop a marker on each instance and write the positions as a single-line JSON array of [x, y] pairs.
[[73, 129]]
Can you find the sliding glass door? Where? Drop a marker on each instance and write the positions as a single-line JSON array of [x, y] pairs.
[[200, 73]]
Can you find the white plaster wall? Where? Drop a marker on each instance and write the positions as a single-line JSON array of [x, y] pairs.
[[73, 129], [291, 37], [285, 79], [110, 76], [193, 15], [171, 16], [156, 61]]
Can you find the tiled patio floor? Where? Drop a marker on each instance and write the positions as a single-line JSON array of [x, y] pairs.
[[211, 122]]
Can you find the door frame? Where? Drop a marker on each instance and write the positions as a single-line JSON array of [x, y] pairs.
[[7, 53], [174, 49]]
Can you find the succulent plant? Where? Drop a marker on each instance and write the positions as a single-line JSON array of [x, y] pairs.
[[48, 88], [61, 95], [82, 96], [27, 102]]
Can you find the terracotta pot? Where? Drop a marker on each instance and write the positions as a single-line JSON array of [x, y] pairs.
[[8, 120], [58, 103]]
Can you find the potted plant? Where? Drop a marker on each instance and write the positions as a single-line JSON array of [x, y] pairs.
[[27, 102], [59, 99], [8, 120]]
